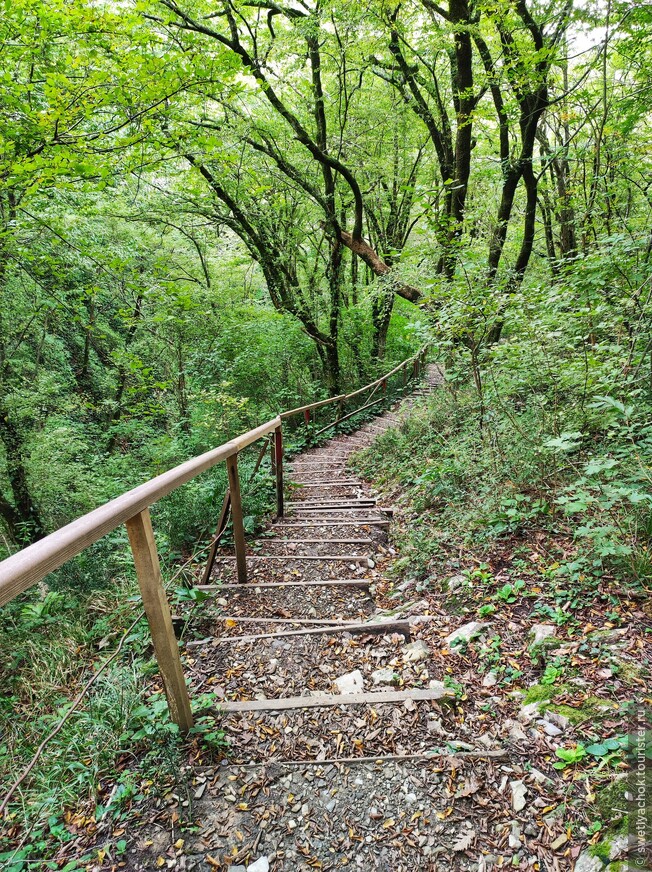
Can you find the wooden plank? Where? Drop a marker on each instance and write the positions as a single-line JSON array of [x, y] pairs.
[[157, 609], [370, 698], [252, 585], [252, 619], [275, 541], [312, 521], [351, 558], [330, 503], [401, 627], [237, 518], [480, 754], [344, 483]]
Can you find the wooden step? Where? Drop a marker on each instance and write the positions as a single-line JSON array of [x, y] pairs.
[[276, 541], [330, 504], [370, 698], [329, 582], [378, 628], [313, 484], [312, 521], [347, 558]]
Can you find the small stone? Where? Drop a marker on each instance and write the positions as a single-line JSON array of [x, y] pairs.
[[292, 824], [465, 633], [490, 679], [440, 687], [588, 863], [618, 845], [541, 632], [260, 865], [415, 651], [529, 712], [237, 869], [559, 841], [516, 731], [519, 791], [560, 721], [539, 776], [352, 682], [515, 836], [456, 581], [550, 729], [384, 676]]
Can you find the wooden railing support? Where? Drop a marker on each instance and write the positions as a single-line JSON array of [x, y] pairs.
[[237, 517], [221, 526], [166, 648], [278, 458]]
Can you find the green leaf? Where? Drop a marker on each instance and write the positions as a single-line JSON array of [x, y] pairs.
[[597, 750]]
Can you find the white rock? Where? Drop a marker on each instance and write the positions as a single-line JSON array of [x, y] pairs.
[[618, 845], [261, 865], [550, 729], [516, 731], [456, 581], [490, 679], [383, 676], [440, 686], [416, 651], [352, 682], [538, 776], [465, 633], [519, 791], [529, 712], [560, 721], [588, 863], [515, 836], [541, 632]]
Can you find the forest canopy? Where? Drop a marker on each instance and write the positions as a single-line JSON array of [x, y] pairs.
[[210, 213]]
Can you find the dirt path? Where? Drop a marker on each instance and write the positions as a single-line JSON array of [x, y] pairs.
[[469, 792]]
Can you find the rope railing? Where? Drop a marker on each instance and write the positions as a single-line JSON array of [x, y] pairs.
[[30, 565]]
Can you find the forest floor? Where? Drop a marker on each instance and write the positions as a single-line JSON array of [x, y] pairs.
[[477, 713]]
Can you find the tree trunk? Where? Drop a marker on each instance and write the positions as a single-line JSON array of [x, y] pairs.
[[23, 520]]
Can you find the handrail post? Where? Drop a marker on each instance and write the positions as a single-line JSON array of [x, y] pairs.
[[272, 451], [157, 609], [236, 517], [278, 456], [221, 526]]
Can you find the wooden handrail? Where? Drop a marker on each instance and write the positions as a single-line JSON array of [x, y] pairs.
[[32, 564], [310, 406], [344, 397]]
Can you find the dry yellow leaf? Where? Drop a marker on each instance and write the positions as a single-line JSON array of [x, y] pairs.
[[179, 844], [160, 862]]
